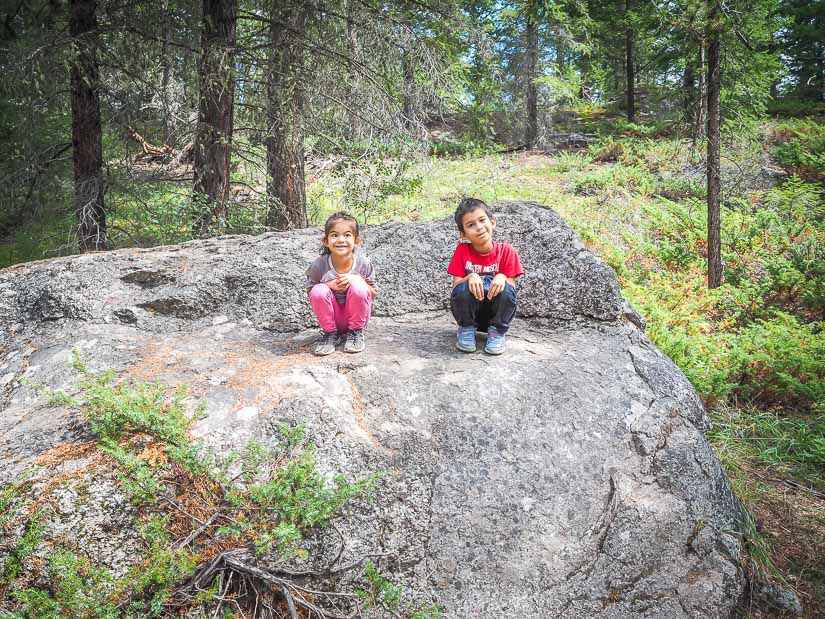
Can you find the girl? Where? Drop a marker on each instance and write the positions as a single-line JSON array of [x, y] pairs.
[[341, 286]]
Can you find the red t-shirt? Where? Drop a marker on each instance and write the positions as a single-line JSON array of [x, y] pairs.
[[502, 259]]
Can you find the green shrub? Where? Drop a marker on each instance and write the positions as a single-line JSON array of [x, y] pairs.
[[381, 593], [450, 147], [634, 129], [629, 178], [801, 147], [567, 162], [11, 563], [778, 362], [81, 590], [368, 183], [787, 107], [774, 252], [679, 189]]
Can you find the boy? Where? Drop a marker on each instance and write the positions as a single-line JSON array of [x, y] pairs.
[[484, 279]]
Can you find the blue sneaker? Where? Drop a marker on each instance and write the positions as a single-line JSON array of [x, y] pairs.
[[495, 342], [466, 339]]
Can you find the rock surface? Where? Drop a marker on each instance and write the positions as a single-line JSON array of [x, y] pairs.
[[566, 478]]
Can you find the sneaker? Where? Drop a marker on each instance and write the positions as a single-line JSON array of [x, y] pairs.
[[466, 339], [325, 345], [495, 342], [355, 341]]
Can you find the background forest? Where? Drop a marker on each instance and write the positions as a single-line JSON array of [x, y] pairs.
[[682, 140]]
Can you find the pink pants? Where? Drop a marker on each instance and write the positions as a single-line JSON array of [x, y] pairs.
[[341, 317]]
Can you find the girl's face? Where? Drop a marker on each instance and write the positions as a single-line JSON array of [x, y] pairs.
[[342, 239]]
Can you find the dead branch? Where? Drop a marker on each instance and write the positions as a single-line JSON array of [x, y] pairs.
[[153, 152], [239, 565]]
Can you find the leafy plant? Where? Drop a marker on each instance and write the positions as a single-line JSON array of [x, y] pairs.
[[11, 563], [368, 183], [381, 593]]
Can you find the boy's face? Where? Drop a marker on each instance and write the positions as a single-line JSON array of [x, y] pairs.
[[478, 229]]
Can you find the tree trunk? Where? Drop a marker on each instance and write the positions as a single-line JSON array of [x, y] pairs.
[[531, 70], [408, 91], [167, 72], [689, 93], [87, 145], [561, 51], [772, 49], [702, 92], [286, 190], [213, 137], [630, 69], [584, 91], [714, 151], [353, 82]]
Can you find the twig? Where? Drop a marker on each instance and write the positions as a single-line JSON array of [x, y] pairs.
[[194, 534], [290, 604], [788, 482]]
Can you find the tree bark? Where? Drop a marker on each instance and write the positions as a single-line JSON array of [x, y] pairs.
[[584, 91], [689, 93], [353, 82], [700, 117], [408, 92], [629, 67], [286, 187], [167, 71], [531, 70], [561, 52], [714, 153], [87, 145], [213, 137]]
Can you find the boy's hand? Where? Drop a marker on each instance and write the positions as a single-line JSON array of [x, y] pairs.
[[496, 286], [476, 286]]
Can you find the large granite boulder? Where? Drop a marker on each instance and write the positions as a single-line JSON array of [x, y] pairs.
[[567, 478]]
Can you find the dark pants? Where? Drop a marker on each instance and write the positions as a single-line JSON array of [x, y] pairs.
[[470, 312]]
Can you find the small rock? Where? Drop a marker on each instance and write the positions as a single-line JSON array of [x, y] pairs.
[[247, 413], [780, 598]]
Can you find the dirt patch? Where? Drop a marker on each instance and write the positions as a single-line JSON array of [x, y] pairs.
[[793, 521]]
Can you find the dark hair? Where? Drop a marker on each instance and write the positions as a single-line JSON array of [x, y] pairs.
[[468, 205], [338, 216]]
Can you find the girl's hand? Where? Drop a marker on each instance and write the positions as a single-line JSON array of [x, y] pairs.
[[476, 286], [347, 279], [496, 286], [335, 285]]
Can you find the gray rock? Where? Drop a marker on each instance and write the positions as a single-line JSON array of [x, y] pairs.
[[778, 597], [566, 478]]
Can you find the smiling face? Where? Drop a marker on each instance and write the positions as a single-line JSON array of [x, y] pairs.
[[341, 239], [478, 229]]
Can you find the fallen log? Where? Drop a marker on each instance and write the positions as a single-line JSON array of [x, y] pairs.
[[153, 152]]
